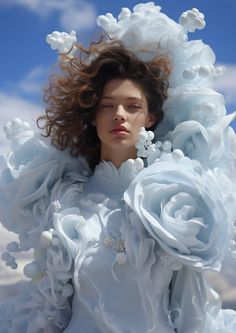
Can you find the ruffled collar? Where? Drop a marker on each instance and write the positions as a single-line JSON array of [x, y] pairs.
[[109, 179]]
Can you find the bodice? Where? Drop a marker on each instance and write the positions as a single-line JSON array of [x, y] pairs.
[[116, 289]]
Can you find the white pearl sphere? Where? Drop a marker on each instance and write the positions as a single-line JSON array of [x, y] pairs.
[[177, 154], [46, 238], [204, 71], [121, 258], [31, 270], [13, 247], [5, 256]]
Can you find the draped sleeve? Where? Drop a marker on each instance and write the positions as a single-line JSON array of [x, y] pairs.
[[34, 179]]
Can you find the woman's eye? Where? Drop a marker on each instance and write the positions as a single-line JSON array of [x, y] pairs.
[[134, 106]]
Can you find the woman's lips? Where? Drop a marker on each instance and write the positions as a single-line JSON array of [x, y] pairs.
[[120, 130]]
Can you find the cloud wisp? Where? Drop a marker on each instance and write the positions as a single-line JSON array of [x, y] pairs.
[[73, 14], [34, 81], [15, 107], [226, 84]]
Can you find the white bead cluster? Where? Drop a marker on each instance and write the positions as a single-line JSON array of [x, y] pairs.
[[15, 127], [62, 41], [10, 261], [144, 144], [192, 20], [36, 270], [203, 71], [162, 148], [163, 152]]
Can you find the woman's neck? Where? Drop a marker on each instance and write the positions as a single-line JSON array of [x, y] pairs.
[[118, 156]]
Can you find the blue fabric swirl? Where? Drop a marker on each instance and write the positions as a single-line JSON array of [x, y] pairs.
[[182, 206]]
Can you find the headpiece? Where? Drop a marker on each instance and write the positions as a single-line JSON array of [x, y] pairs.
[[195, 119]]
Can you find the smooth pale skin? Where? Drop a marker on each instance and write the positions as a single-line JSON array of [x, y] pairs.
[[123, 103]]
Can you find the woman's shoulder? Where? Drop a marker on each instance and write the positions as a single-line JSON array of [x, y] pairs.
[[34, 175]]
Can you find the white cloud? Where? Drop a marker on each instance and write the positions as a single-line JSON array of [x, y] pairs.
[[33, 82], [73, 14], [84, 16], [226, 84], [15, 107]]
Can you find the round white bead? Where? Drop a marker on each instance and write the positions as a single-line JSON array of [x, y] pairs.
[[46, 238], [166, 146], [14, 265], [11, 260], [5, 256], [204, 71], [13, 247], [121, 258], [31, 270], [177, 154], [189, 74]]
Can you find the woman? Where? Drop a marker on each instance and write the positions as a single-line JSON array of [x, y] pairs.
[[122, 94], [124, 241]]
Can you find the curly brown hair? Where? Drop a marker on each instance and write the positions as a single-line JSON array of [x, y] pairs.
[[73, 95]]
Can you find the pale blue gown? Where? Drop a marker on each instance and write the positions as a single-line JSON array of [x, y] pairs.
[[132, 269]]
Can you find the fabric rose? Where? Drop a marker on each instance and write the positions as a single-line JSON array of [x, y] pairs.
[[182, 207]]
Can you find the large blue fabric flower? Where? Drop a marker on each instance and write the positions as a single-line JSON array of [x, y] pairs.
[[182, 207]]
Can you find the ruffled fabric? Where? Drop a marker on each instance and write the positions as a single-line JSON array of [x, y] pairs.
[[35, 176], [43, 303], [183, 208]]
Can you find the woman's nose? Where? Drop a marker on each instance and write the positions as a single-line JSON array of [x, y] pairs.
[[120, 113]]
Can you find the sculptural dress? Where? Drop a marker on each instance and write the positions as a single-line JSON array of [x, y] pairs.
[[132, 270], [124, 281], [118, 288]]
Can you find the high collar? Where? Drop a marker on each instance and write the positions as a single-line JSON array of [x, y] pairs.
[[109, 179]]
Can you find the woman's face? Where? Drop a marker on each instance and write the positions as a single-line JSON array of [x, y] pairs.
[[122, 111]]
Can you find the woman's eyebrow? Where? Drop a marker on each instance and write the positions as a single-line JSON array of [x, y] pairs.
[[128, 98], [136, 98]]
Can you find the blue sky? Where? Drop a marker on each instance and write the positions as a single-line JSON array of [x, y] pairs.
[[26, 59]]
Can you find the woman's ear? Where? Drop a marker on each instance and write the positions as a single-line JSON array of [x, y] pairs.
[[150, 120]]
